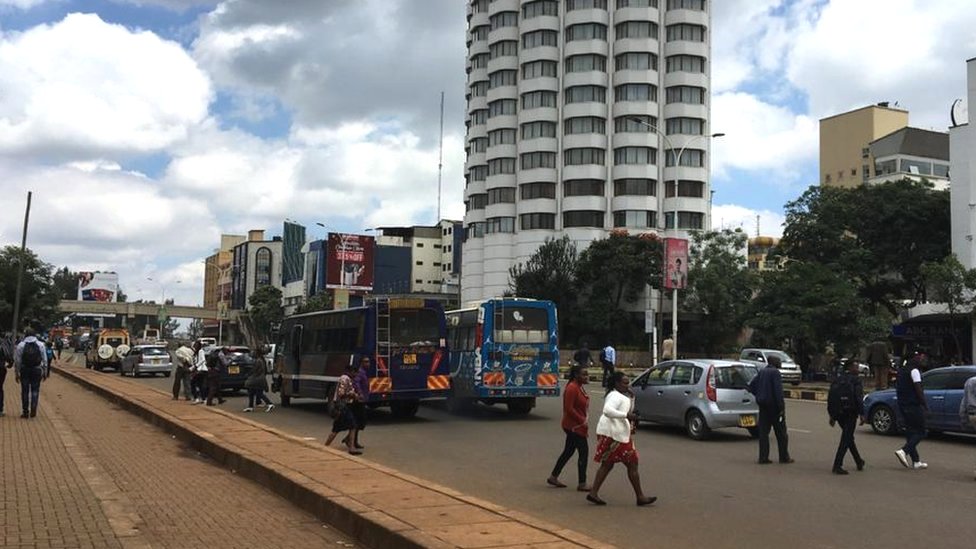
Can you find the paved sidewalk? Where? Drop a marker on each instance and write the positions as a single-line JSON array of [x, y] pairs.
[[376, 505], [86, 474]]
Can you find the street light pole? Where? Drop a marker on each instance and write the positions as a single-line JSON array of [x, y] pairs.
[[677, 166], [20, 266]]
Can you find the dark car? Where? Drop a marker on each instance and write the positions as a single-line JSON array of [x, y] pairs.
[[943, 389], [241, 363]]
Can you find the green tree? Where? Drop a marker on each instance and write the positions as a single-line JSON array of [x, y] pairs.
[[318, 302], [169, 328], [39, 300], [195, 329], [265, 309], [720, 288], [65, 283], [550, 274], [949, 282]]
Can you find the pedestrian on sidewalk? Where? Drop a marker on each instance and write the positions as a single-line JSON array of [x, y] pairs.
[[215, 369], [199, 374], [576, 405], [49, 351], [30, 367], [342, 412], [967, 406], [58, 346], [6, 361], [358, 407], [879, 359], [615, 442], [767, 387], [608, 359], [911, 403], [257, 383], [582, 356], [183, 372], [844, 406]]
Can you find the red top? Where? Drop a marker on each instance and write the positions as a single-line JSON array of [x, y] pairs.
[[576, 405]]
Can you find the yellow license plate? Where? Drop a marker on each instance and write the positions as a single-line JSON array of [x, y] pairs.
[[410, 358], [747, 421], [234, 370]]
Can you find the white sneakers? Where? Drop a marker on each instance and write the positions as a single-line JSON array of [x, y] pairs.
[[903, 458], [269, 408], [920, 465], [248, 409]]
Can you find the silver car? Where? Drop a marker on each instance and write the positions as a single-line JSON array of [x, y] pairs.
[[788, 369], [700, 395], [147, 359]]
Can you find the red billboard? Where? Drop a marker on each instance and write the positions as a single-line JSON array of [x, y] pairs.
[[349, 262], [675, 263]]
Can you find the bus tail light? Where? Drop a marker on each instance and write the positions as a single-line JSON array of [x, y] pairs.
[[438, 357]]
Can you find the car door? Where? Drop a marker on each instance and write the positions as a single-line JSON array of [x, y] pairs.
[[130, 360], [649, 392], [934, 385], [677, 394]]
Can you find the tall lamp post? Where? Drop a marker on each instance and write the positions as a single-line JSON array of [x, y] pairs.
[[677, 164]]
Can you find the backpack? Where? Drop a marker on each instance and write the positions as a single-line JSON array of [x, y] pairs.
[[841, 400], [31, 356]]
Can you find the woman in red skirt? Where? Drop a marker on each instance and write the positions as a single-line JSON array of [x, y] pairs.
[[615, 443]]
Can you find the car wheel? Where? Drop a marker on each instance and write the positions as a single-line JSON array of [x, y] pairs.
[[167, 374], [457, 405], [520, 406], [404, 408], [883, 420], [696, 426]]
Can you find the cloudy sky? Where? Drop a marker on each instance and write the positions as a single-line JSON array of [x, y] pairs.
[[145, 128]]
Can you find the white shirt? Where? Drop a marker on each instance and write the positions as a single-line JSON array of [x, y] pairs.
[[614, 423], [201, 363], [916, 376], [610, 353]]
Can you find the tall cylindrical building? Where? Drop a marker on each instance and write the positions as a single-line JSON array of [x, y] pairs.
[[566, 103]]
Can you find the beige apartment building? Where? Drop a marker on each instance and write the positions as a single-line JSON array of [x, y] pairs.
[[845, 143], [216, 276]]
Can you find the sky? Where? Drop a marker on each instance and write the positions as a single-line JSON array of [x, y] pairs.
[[146, 128]]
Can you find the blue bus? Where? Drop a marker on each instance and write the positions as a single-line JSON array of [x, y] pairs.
[[405, 338], [503, 350]]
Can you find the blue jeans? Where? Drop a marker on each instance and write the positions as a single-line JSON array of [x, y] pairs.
[[30, 389], [256, 396], [914, 429]]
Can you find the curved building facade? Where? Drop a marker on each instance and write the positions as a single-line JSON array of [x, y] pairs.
[[567, 101]]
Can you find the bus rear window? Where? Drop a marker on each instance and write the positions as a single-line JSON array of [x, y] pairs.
[[414, 327], [521, 325]]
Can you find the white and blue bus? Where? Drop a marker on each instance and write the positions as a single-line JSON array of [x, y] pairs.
[[503, 350]]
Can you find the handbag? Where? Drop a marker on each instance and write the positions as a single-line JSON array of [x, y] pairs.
[[337, 408]]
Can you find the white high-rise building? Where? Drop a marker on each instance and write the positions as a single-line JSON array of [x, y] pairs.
[[566, 100]]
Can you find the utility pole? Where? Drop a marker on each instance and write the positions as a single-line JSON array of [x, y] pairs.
[[20, 266], [440, 163]]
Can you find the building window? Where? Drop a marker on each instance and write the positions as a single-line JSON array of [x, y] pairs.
[[690, 158], [686, 32], [539, 69], [916, 167], [503, 19], [420, 263], [479, 88], [538, 99], [865, 152], [584, 156], [583, 187], [585, 124], [499, 225], [697, 5], [686, 63], [528, 222], [533, 130], [586, 62], [583, 218], [478, 201], [478, 173], [634, 187], [691, 189], [940, 170], [635, 92], [541, 159], [480, 6], [478, 145], [539, 8], [475, 230], [498, 79], [692, 95], [865, 172], [586, 31], [503, 48], [634, 155], [437, 264], [636, 29], [586, 94], [480, 33], [262, 267], [502, 195], [636, 4], [635, 219], [686, 220], [502, 107], [500, 166], [504, 136], [887, 167], [420, 244], [538, 190], [479, 116], [636, 61], [685, 126], [585, 4], [630, 124], [539, 38], [479, 61]]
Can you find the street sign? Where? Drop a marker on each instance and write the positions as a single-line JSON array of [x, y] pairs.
[[649, 321], [161, 317]]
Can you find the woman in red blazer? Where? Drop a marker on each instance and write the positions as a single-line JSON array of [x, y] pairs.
[[576, 405]]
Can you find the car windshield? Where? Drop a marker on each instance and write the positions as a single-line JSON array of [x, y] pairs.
[[154, 351], [736, 376], [783, 357]]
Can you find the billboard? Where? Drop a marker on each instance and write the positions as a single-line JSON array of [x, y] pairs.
[[96, 286], [675, 263], [292, 258], [349, 262]]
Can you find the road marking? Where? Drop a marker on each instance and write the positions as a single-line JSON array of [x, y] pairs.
[[798, 430]]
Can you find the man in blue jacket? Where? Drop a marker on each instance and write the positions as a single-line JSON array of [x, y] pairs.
[[767, 387], [911, 403]]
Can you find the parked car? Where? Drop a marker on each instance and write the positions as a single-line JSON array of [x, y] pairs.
[[241, 363], [943, 392], [106, 349], [147, 359], [789, 369], [700, 395]]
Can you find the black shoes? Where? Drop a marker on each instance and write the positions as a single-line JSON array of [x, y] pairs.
[[860, 465], [840, 471], [764, 462]]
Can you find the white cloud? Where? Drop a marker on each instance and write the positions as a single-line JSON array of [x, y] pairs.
[[731, 216], [82, 87], [21, 4]]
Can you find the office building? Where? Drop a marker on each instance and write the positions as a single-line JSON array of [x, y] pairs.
[[911, 153], [256, 262], [845, 143]]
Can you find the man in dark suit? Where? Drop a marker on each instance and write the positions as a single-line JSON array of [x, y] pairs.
[[767, 387]]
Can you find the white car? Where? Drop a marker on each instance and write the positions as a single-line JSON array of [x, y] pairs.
[[789, 369]]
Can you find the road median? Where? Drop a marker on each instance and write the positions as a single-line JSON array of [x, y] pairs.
[[375, 505]]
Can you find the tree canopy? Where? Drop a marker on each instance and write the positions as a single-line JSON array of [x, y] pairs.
[[39, 300], [265, 310]]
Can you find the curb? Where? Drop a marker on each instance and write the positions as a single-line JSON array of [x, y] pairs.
[[367, 525]]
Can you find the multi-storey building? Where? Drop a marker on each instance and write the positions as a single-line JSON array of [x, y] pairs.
[[911, 153], [576, 112], [845, 143]]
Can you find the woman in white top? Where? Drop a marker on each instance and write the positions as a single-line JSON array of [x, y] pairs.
[[614, 434]]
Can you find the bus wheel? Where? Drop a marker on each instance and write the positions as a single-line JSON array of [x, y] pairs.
[[404, 408], [457, 405], [521, 406], [285, 401]]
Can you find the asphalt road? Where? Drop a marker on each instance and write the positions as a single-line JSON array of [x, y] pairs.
[[712, 494]]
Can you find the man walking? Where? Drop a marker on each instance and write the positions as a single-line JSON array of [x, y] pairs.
[[30, 367], [217, 367], [608, 359], [911, 402], [181, 375], [582, 356], [967, 407], [6, 361], [845, 405], [767, 387], [880, 362]]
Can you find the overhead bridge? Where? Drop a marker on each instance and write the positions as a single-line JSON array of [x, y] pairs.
[[140, 309]]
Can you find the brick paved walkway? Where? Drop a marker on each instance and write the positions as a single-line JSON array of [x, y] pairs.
[[85, 473]]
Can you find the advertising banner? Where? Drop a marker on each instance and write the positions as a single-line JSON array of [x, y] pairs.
[[349, 262], [98, 286], [675, 263]]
